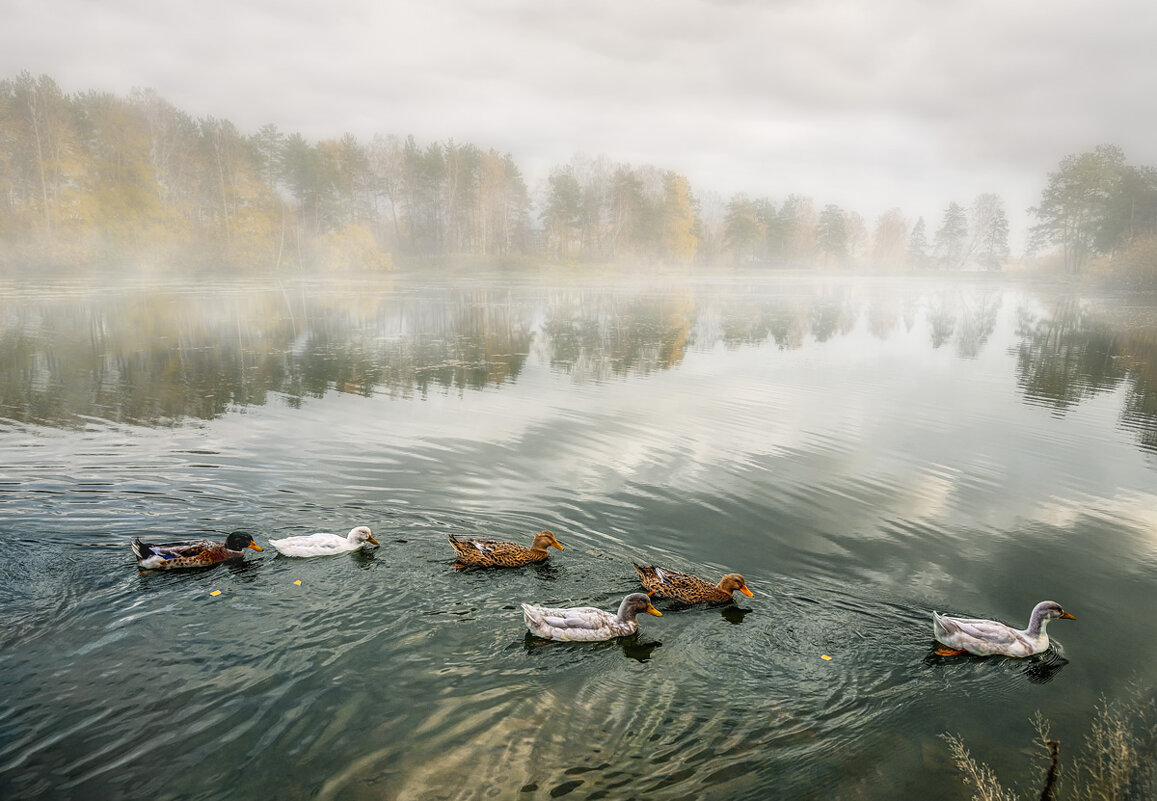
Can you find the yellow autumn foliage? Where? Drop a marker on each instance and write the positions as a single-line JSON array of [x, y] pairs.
[[352, 249]]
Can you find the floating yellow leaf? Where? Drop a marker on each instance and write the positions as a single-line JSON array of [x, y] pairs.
[[215, 593], [825, 657], [298, 582]]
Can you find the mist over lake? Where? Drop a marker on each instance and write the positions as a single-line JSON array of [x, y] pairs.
[[863, 450]]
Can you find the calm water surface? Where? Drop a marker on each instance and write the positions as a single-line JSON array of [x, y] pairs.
[[862, 451]]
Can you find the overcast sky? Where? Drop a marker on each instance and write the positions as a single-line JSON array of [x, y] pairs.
[[869, 104]]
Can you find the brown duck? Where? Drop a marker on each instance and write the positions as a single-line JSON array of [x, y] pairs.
[[684, 587], [494, 553], [193, 553]]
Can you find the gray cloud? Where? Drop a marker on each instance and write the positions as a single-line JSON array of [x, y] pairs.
[[870, 105]]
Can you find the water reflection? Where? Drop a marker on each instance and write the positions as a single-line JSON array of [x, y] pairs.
[[1038, 669], [595, 335], [160, 356], [1073, 352], [633, 647], [734, 614]]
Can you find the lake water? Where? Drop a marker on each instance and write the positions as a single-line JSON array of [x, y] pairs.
[[863, 451]]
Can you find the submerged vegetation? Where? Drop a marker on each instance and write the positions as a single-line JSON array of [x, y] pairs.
[[94, 179], [1116, 762]]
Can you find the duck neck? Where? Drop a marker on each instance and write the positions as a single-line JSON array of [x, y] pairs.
[[1036, 626], [626, 613]]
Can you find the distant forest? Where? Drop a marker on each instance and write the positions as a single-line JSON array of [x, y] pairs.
[[94, 179]]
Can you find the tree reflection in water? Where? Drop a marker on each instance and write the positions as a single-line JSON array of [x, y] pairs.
[[1077, 351], [159, 356]]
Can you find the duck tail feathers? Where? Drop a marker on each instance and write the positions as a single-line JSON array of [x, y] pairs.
[[943, 625], [140, 550]]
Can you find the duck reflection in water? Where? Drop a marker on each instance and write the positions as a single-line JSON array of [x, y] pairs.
[[1038, 669], [246, 570], [545, 571], [633, 647], [363, 558], [734, 614]]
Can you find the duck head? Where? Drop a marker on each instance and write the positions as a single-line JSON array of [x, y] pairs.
[[544, 540], [635, 603], [362, 534], [239, 540], [732, 582], [1051, 610], [1044, 612]]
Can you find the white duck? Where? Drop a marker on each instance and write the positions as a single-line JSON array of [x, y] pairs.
[[586, 623], [325, 544], [988, 637]]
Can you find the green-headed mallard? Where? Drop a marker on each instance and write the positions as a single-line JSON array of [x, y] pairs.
[[988, 637], [495, 553], [586, 623], [325, 544], [192, 553], [684, 587]]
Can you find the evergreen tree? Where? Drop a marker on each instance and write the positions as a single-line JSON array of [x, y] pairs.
[[994, 245], [951, 238], [832, 235], [742, 232], [918, 258], [562, 216]]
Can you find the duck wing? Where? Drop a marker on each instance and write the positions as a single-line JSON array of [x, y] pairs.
[[311, 545], [494, 552], [680, 586], [473, 549], [171, 550], [580, 623], [192, 553], [983, 637]]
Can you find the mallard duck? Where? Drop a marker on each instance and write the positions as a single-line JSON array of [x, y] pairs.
[[988, 637], [494, 553], [192, 553], [586, 623], [684, 587], [325, 544]]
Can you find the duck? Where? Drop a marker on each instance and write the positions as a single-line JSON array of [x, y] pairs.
[[587, 623], [325, 544], [495, 553], [989, 637], [684, 587], [192, 553]]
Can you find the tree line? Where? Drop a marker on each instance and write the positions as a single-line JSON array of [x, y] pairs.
[[94, 177]]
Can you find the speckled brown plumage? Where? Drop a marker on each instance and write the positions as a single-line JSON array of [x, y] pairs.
[[192, 553], [495, 553], [684, 587]]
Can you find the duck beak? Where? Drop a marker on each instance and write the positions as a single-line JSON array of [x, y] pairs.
[[374, 541], [558, 545], [747, 592], [255, 546], [1067, 616], [653, 611]]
